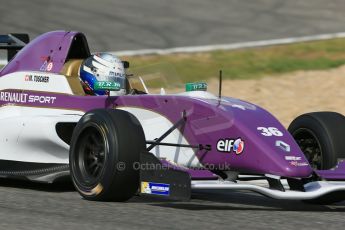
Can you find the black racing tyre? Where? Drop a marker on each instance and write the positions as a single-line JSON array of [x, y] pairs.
[[104, 147], [321, 137]]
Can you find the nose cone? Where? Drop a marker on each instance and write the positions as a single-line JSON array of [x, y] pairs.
[[280, 155], [265, 156], [259, 143]]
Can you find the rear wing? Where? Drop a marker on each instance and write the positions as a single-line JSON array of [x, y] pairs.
[[13, 43]]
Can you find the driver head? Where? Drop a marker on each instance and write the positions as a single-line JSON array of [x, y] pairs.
[[103, 74]]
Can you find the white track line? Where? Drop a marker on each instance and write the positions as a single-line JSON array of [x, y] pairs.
[[195, 49]]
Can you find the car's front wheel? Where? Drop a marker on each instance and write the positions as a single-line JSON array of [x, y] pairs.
[[105, 146], [321, 137]]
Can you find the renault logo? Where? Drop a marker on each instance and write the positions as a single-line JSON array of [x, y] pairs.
[[283, 146]]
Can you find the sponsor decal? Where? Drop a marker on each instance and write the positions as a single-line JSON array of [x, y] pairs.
[[116, 74], [230, 145], [46, 66], [107, 85], [155, 188], [298, 164], [293, 158], [36, 78], [283, 146], [28, 78], [49, 66], [197, 86], [15, 97]]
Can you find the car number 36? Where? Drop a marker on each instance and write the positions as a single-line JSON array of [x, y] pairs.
[[270, 131]]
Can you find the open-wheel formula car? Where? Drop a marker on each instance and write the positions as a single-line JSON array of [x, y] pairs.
[[164, 145]]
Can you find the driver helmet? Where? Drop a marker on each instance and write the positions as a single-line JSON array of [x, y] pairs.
[[103, 74]]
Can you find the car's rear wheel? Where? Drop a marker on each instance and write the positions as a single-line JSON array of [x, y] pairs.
[[104, 148], [321, 137]]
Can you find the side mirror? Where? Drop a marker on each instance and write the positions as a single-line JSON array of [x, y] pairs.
[[125, 64], [13, 43]]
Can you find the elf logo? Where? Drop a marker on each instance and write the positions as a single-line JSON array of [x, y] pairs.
[[230, 145]]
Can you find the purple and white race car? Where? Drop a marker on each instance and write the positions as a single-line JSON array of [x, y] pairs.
[[165, 145]]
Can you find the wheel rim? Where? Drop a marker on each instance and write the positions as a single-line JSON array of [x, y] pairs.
[[91, 156], [310, 146]]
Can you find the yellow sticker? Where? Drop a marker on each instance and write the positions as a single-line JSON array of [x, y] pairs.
[[144, 187]]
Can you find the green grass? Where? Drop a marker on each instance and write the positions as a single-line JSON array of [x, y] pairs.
[[244, 63], [247, 63]]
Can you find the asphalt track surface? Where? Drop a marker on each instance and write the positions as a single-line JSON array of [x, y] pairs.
[[26, 205], [130, 25], [114, 25]]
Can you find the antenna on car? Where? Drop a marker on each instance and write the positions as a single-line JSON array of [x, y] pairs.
[[220, 84]]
